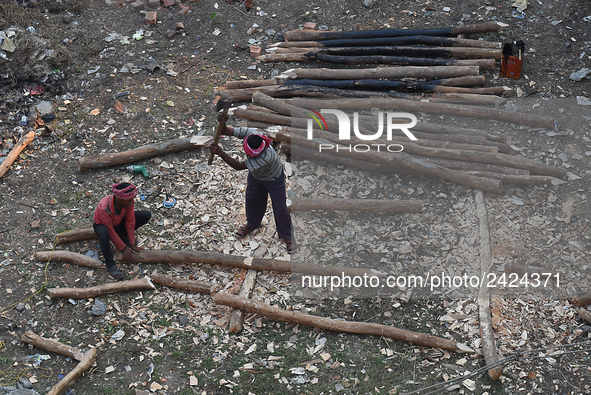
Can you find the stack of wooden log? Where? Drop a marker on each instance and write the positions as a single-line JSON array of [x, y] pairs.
[[447, 63], [426, 67], [470, 157]]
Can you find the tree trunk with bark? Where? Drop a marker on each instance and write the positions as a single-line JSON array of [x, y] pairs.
[[105, 289], [254, 306], [145, 152]]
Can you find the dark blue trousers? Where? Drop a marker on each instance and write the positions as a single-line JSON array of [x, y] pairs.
[[256, 204], [141, 218]]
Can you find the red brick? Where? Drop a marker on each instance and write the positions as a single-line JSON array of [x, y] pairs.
[[168, 3], [248, 4], [255, 51], [154, 3], [151, 17], [310, 25], [179, 25]]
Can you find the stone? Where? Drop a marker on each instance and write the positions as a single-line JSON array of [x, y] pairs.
[[139, 5], [99, 308]]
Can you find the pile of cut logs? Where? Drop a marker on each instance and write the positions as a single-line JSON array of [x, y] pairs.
[[476, 158], [428, 54]]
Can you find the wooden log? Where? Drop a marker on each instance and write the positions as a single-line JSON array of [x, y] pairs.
[[383, 72], [185, 284], [467, 98], [584, 314], [88, 360], [245, 291], [582, 299], [15, 152], [309, 91], [380, 205], [105, 289], [145, 152], [431, 108], [70, 257], [402, 86], [456, 154], [213, 258], [76, 235], [474, 166], [469, 80], [313, 35], [250, 83], [519, 179], [404, 51], [489, 348], [305, 152], [403, 162], [402, 40], [52, 345], [273, 312], [483, 64]]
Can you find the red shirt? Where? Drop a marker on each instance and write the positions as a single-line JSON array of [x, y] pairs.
[[105, 215]]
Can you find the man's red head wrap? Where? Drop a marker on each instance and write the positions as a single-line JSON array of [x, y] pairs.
[[127, 193], [257, 140]]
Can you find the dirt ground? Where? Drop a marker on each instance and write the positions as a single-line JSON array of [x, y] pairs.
[[114, 83]]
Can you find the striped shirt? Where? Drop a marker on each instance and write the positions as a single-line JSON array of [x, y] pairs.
[[265, 167]]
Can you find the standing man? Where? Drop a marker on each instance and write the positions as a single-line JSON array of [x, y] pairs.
[[265, 177]]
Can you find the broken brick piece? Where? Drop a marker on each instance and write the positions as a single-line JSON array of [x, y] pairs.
[[154, 3], [184, 9], [179, 25], [255, 51], [168, 3], [151, 17], [170, 34], [248, 5], [310, 26]]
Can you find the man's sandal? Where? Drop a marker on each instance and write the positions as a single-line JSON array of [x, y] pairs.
[[243, 231], [116, 273]]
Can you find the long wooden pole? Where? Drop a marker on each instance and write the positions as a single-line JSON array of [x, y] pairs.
[[431, 108], [489, 348], [214, 258], [52, 345], [313, 35], [70, 257], [406, 51], [185, 284], [402, 40], [327, 204], [383, 72], [484, 64], [105, 289], [75, 235], [88, 360], [255, 306], [147, 151], [15, 152]]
